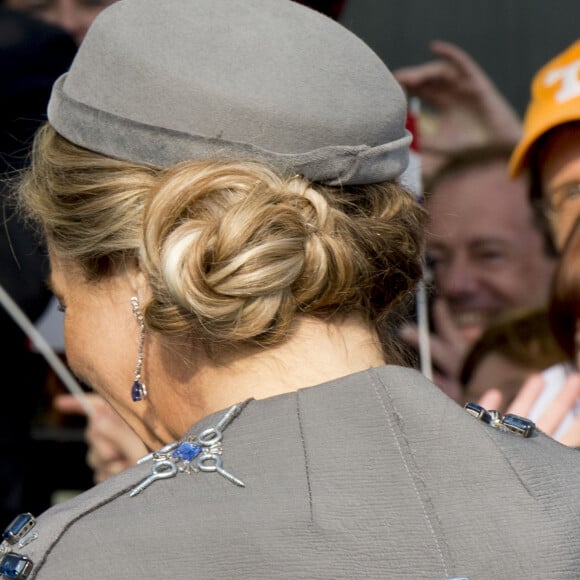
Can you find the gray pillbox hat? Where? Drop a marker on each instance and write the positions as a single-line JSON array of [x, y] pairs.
[[162, 81]]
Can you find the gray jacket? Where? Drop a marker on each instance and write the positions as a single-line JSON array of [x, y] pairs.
[[376, 475]]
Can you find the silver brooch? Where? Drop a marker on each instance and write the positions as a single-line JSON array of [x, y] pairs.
[[202, 452], [509, 422], [18, 532]]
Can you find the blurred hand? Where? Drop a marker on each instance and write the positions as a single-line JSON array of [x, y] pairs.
[[554, 413], [448, 349], [468, 107], [112, 444]]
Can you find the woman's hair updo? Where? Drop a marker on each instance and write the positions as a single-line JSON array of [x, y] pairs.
[[233, 251]]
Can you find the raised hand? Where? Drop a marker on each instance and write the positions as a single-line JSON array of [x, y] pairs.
[[448, 349], [112, 444], [551, 419], [469, 107]]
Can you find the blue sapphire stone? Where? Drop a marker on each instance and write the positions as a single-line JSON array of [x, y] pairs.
[[187, 451], [15, 566], [18, 528], [519, 425], [137, 391]]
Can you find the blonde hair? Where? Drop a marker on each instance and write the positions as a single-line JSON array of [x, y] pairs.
[[232, 250]]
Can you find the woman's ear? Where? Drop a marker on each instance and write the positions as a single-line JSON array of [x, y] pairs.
[[139, 284]]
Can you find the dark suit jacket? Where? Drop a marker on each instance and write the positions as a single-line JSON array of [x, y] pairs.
[[376, 475]]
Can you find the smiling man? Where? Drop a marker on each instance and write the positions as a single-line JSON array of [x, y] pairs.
[[486, 246], [489, 253]]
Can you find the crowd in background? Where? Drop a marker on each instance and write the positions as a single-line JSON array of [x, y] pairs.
[[494, 266]]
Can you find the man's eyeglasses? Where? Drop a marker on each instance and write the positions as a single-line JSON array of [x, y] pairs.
[[555, 200]]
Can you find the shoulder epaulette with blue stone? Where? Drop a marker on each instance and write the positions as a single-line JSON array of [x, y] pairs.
[[18, 532], [509, 422]]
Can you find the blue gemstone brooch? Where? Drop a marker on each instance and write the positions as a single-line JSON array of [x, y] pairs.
[[14, 565], [509, 422], [200, 453]]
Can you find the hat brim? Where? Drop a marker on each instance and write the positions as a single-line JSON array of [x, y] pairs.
[[547, 121]]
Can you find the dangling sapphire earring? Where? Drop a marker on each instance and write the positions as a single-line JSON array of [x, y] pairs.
[[139, 390]]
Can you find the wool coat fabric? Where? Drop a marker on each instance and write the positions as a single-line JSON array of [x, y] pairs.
[[375, 475]]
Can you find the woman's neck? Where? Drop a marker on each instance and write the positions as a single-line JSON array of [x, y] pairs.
[[317, 352]]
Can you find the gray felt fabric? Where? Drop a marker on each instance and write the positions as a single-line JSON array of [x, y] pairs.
[[377, 475], [162, 81]]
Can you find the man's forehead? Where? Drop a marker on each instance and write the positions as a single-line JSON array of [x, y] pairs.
[[559, 149]]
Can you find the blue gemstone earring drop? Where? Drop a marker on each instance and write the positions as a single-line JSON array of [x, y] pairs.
[[139, 390]]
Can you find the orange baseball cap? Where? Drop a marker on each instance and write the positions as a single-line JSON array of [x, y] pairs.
[[555, 100]]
